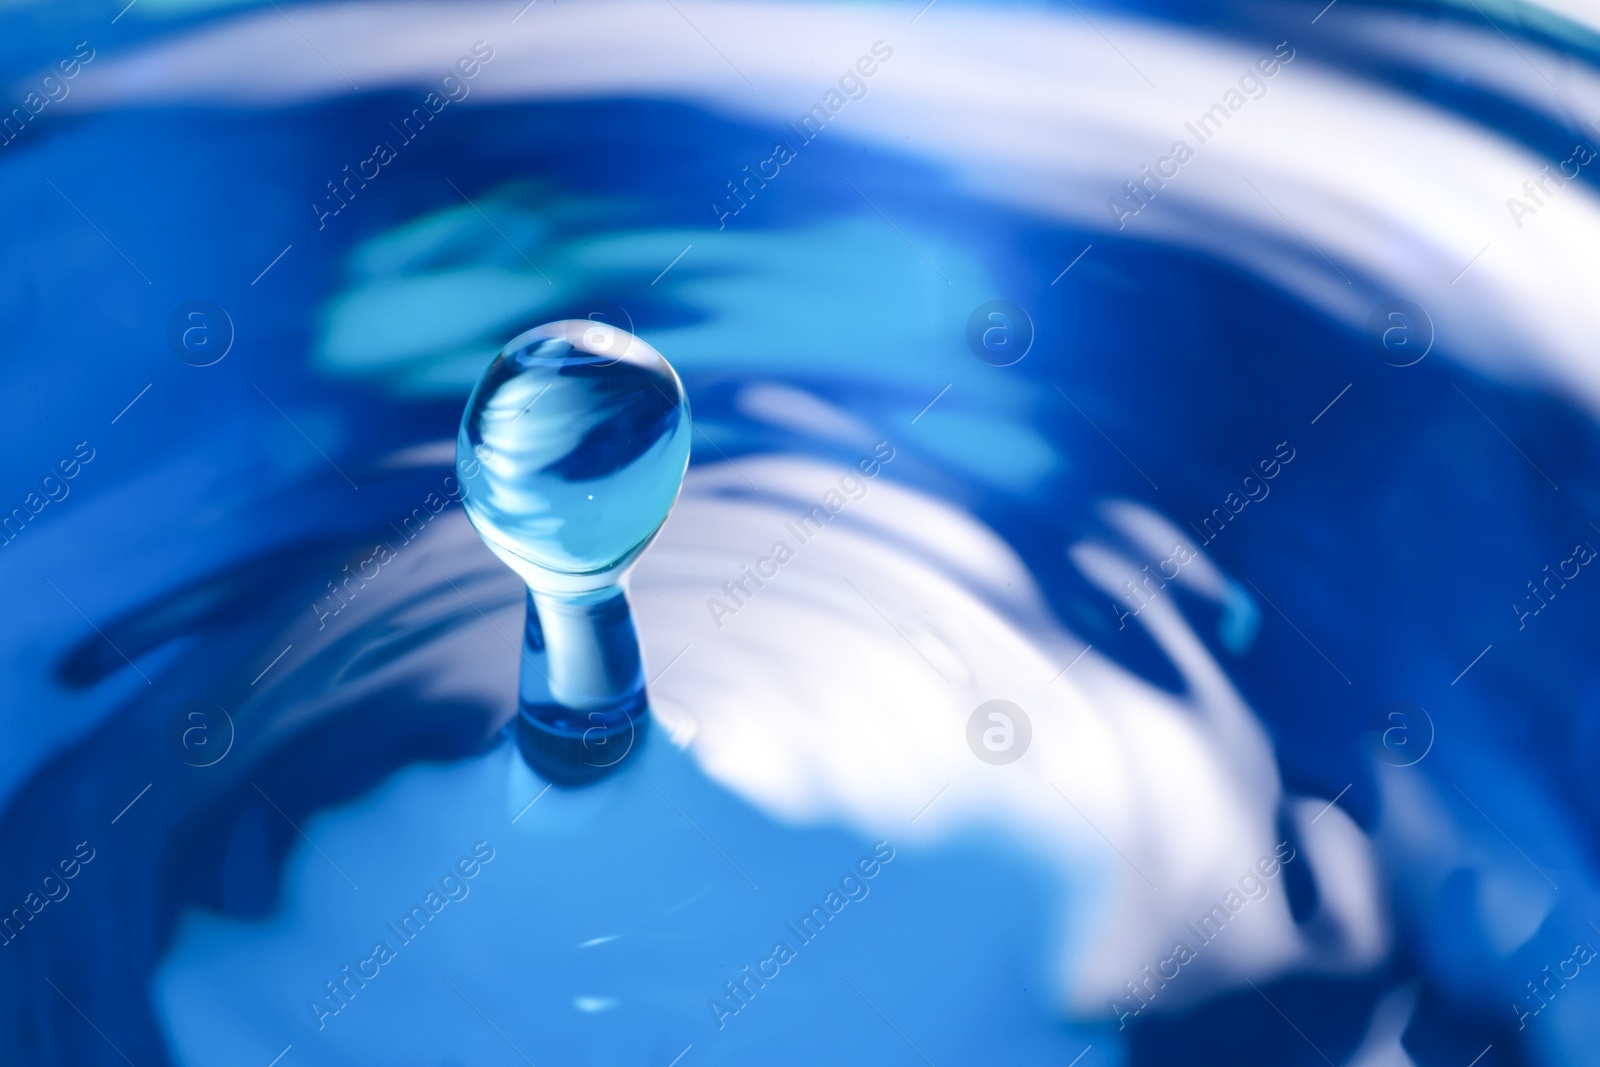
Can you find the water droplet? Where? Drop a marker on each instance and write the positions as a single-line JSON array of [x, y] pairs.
[[571, 452]]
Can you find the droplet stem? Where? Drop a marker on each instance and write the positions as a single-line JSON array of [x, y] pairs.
[[582, 692]]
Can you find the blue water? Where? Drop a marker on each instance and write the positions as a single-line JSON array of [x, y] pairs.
[[172, 601]]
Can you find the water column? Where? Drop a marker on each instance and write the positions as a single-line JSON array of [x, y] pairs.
[[571, 452]]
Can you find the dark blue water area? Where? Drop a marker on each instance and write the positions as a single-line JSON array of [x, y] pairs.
[[1395, 540]]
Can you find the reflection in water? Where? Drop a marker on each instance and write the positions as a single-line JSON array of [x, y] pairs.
[[866, 730], [168, 835]]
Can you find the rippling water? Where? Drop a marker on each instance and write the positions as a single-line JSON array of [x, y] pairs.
[[1274, 538]]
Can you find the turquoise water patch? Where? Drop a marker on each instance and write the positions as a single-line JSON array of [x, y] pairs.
[[849, 299], [1007, 455]]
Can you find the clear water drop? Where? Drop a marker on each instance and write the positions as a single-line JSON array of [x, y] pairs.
[[571, 452]]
